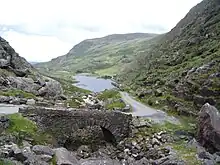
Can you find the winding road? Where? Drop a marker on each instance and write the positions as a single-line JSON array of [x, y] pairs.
[[9, 108], [142, 110]]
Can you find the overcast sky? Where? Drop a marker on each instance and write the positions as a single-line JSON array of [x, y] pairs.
[[40, 30]]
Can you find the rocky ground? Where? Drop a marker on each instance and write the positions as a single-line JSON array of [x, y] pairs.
[[148, 144]]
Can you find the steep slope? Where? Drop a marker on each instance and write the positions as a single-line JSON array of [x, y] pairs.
[[18, 76], [102, 55], [183, 69]]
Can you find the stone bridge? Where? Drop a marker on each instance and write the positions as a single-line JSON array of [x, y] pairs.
[[63, 123]]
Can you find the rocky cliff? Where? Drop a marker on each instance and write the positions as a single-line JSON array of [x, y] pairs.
[[17, 74]]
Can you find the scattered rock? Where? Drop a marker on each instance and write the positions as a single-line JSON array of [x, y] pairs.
[[96, 161], [43, 150], [18, 154], [83, 152]]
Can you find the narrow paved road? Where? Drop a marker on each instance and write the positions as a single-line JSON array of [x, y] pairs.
[[9, 108], [139, 109]]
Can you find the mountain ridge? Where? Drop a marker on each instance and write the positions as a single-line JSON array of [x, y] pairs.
[[96, 51]]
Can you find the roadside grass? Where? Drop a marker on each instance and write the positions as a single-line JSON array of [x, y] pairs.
[[105, 95], [112, 98]]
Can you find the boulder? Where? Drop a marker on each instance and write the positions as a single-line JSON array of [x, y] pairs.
[[64, 157], [51, 89], [17, 153], [209, 128], [30, 102], [20, 73], [4, 99], [42, 150], [40, 82], [4, 63]]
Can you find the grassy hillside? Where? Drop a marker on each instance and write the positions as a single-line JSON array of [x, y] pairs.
[[101, 55], [183, 69]]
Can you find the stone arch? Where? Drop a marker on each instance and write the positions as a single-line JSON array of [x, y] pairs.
[[108, 130], [109, 137]]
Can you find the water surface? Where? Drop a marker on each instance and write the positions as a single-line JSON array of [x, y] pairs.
[[93, 83]]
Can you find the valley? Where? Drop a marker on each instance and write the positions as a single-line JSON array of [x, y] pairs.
[[123, 99]]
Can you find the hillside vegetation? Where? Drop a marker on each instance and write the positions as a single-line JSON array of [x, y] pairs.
[[103, 56], [183, 69]]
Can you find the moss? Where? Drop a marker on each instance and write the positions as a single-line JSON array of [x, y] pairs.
[[16, 92], [21, 127]]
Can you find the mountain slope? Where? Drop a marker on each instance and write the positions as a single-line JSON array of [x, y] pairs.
[[17, 76], [102, 55], [182, 70]]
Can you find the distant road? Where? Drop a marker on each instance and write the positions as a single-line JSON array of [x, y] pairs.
[[139, 109]]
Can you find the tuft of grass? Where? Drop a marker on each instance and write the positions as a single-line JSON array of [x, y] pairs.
[[17, 92], [21, 127], [18, 123], [54, 160], [5, 162], [117, 104], [109, 94], [115, 96]]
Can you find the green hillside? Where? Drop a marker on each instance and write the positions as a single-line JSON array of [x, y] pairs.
[[183, 69], [101, 55]]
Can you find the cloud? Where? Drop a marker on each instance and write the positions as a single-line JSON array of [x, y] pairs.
[[67, 22], [37, 48]]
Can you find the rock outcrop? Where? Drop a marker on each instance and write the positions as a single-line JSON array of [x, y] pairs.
[[209, 128], [17, 73]]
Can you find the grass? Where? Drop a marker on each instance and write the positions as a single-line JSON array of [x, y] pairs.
[[105, 95], [21, 127], [187, 124], [114, 96], [17, 92], [116, 104], [73, 102], [186, 153], [5, 162], [54, 160]]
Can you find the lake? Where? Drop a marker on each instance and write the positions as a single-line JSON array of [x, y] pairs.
[[93, 83]]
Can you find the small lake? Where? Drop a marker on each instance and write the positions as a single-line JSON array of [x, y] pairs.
[[93, 83]]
